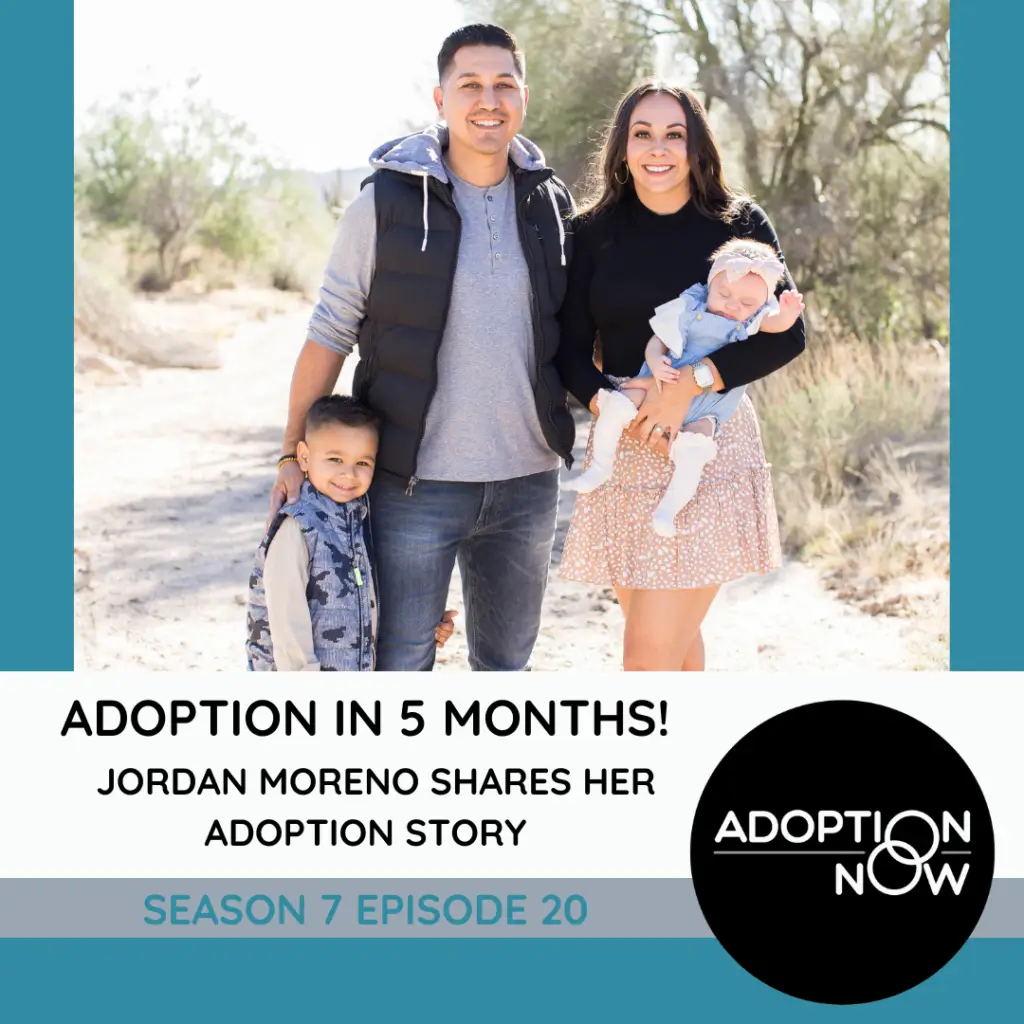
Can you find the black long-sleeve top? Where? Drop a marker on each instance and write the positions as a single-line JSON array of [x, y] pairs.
[[628, 260]]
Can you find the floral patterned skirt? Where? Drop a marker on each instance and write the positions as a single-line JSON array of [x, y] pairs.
[[728, 529]]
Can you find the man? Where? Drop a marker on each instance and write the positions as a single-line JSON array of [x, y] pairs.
[[447, 272]]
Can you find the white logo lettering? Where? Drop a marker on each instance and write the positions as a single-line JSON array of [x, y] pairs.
[[799, 827]]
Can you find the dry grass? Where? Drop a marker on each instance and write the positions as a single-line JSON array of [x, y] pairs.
[[858, 438], [116, 328]]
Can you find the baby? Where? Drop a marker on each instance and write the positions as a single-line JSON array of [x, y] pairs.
[[738, 301]]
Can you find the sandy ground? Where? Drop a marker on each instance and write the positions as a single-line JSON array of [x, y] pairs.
[[173, 470]]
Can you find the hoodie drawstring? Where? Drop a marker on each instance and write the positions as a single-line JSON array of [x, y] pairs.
[[426, 223], [558, 220], [554, 206]]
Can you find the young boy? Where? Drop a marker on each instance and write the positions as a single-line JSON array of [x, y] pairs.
[[312, 596]]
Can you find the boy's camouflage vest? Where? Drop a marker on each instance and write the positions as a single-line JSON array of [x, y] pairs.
[[339, 589]]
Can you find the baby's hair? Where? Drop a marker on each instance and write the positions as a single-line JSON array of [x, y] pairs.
[[748, 247], [340, 409]]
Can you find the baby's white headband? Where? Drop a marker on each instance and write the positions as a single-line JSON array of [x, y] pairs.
[[736, 266]]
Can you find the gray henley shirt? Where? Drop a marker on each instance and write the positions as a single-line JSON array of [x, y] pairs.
[[482, 424]]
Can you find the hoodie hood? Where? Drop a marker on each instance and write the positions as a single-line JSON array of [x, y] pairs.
[[420, 154]]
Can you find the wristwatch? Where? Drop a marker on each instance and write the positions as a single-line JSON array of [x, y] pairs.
[[703, 376]]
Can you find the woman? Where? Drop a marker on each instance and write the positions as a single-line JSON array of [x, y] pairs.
[[660, 209]]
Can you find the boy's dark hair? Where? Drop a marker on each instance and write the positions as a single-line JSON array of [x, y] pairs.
[[342, 409], [478, 35]]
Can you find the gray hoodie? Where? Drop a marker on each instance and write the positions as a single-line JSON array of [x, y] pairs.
[[482, 424]]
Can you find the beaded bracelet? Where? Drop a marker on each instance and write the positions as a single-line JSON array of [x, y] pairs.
[[286, 458]]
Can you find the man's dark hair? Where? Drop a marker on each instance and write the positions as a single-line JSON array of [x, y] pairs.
[[341, 409], [478, 35]]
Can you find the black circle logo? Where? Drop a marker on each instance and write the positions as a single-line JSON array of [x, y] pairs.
[[842, 852]]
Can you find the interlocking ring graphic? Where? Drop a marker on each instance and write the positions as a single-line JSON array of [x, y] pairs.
[[892, 846]]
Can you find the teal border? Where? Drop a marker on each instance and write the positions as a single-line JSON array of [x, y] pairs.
[[456, 980], [36, 389], [987, 453]]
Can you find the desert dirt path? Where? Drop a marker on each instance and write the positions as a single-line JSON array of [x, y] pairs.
[[173, 471]]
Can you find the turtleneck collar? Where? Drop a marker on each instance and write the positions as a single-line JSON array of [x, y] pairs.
[[637, 204]]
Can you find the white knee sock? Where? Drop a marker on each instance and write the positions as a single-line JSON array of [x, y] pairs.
[[616, 413], [690, 453]]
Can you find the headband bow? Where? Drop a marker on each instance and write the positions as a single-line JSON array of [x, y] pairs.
[[736, 266]]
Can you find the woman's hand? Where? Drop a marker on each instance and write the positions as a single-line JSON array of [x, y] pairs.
[[663, 410]]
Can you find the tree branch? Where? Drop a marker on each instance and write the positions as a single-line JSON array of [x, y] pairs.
[[927, 122]]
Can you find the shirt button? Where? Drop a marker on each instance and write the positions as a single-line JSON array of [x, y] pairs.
[[700, 316], [490, 199], [497, 255], [495, 236], [493, 218]]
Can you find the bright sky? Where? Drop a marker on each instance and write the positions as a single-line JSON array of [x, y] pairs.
[[320, 82]]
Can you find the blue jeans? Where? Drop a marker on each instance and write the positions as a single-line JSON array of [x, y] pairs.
[[502, 534]]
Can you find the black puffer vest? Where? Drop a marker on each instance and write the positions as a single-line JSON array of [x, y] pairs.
[[407, 307]]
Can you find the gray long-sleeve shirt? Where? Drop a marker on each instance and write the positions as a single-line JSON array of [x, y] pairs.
[[482, 424]]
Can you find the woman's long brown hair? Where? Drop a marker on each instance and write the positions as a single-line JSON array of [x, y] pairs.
[[709, 192]]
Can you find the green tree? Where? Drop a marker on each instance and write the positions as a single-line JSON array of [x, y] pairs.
[[839, 110], [581, 56], [172, 174], [832, 113]]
